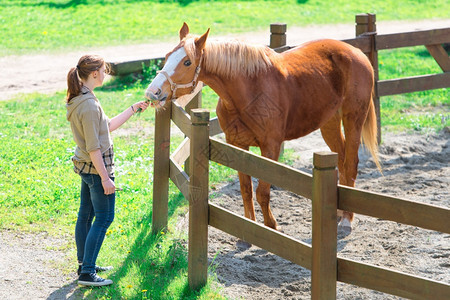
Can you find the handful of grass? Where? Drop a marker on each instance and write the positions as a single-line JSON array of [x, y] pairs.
[[139, 110]]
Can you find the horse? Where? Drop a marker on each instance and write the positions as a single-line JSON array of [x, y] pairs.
[[266, 98]]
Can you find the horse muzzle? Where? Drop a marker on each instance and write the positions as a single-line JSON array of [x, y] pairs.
[[155, 96]]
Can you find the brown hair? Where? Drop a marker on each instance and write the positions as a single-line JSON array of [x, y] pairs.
[[86, 65]]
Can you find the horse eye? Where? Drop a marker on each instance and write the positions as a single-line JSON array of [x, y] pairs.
[[187, 63]]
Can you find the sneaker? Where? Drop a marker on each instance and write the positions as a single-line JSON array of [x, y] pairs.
[[98, 269], [93, 279]]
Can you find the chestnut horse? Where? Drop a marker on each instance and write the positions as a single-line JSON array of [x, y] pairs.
[[266, 98]]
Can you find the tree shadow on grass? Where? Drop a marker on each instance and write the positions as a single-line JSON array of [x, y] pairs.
[[51, 4], [74, 3]]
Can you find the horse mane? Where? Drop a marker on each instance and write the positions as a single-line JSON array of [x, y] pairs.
[[232, 58]]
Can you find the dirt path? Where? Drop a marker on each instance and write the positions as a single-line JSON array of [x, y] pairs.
[[30, 267], [417, 167], [46, 73]]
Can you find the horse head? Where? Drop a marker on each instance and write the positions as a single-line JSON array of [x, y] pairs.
[[179, 76]]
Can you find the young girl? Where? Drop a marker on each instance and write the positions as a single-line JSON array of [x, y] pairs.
[[93, 161]]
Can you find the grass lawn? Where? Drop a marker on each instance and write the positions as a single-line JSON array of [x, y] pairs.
[[58, 25]]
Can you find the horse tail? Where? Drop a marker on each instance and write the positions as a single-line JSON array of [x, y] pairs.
[[370, 133]]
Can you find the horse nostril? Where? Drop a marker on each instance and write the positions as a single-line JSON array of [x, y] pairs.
[[158, 92]]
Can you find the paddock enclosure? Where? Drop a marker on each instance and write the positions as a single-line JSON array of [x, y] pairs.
[[321, 255]]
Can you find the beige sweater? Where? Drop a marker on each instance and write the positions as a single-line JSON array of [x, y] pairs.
[[90, 127]]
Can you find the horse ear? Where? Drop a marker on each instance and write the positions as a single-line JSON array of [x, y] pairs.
[[184, 31], [201, 41]]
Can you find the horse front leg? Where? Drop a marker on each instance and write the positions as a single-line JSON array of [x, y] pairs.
[[263, 198], [246, 184], [272, 151]]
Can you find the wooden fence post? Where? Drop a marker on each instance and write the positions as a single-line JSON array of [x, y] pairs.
[[324, 226], [277, 35], [198, 200], [196, 102], [277, 40], [161, 167], [366, 24]]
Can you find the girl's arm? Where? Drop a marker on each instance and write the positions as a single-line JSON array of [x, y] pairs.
[[121, 118], [97, 159]]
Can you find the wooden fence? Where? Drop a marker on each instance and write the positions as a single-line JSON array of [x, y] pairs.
[[327, 196]]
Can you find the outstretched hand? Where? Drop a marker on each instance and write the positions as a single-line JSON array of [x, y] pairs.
[[140, 106]]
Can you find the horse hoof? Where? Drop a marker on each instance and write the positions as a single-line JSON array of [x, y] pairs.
[[243, 245], [344, 227]]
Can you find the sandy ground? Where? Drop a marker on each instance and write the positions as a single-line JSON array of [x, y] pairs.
[[415, 167]]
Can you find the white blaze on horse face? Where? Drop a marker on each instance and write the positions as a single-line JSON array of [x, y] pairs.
[[172, 62]]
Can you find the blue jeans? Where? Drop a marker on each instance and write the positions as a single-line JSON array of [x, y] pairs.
[[89, 236]]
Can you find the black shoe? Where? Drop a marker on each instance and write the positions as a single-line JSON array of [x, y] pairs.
[[93, 279], [98, 269]]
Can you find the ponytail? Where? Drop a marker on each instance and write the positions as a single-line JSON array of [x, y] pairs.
[[73, 84], [86, 65]]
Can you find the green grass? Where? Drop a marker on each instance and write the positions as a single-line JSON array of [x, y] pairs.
[[420, 111], [56, 25], [40, 192]]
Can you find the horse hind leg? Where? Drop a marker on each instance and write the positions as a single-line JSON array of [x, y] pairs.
[[353, 130], [332, 134]]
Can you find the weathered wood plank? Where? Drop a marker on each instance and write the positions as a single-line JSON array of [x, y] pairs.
[[394, 209], [416, 38], [440, 55], [192, 100], [135, 66], [181, 118], [362, 42], [198, 200], [413, 84], [161, 170], [180, 178], [260, 167], [180, 155], [391, 282], [282, 48], [214, 127], [261, 236], [324, 227]]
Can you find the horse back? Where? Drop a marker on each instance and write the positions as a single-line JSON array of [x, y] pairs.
[[325, 58], [319, 76]]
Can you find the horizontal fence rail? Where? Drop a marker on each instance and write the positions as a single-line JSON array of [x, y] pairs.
[[260, 167], [135, 66], [386, 207], [411, 39], [266, 238], [413, 84], [389, 281]]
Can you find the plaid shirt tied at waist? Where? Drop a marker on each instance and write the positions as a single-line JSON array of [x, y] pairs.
[[88, 167]]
